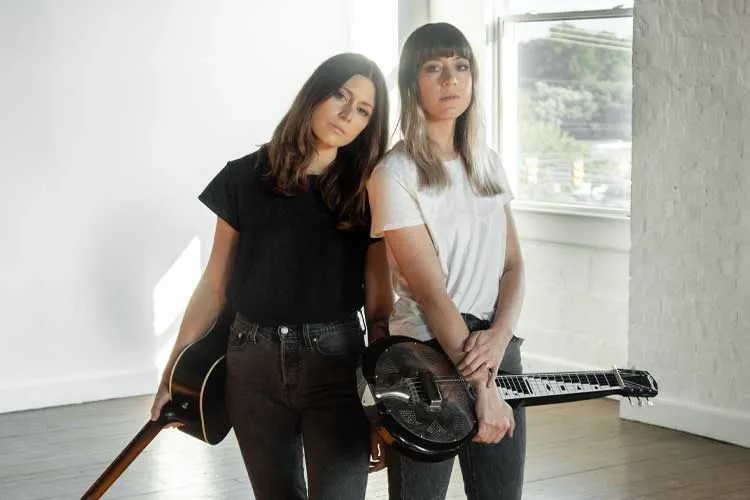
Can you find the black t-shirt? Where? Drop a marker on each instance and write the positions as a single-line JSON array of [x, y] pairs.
[[292, 265]]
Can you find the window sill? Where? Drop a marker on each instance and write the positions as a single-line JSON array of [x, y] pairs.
[[575, 210], [576, 226]]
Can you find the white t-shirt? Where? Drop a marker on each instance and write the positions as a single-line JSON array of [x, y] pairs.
[[467, 230]]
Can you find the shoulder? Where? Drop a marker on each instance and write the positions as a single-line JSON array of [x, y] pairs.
[[487, 157], [250, 165], [397, 165]]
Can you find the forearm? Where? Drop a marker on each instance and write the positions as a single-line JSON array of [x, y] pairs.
[[203, 308], [446, 324]]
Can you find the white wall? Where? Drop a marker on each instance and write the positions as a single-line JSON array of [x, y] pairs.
[[690, 260], [114, 116]]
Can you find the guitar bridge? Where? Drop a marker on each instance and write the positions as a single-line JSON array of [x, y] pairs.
[[430, 392]]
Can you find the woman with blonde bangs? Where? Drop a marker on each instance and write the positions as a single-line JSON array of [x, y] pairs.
[[291, 266], [440, 200]]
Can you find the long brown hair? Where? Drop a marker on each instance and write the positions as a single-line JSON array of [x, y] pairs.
[[428, 42], [293, 145]]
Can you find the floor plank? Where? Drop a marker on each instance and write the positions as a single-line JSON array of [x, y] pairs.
[[576, 451]]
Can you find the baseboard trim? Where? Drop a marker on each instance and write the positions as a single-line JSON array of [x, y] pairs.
[[94, 386], [715, 423]]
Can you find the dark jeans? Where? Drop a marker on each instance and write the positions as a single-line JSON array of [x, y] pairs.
[[490, 471], [293, 387]]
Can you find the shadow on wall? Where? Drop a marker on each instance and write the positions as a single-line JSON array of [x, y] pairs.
[[144, 264]]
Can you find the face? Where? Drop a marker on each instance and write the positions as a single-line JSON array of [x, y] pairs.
[[338, 120], [445, 87]]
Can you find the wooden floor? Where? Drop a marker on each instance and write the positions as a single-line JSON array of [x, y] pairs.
[[575, 451]]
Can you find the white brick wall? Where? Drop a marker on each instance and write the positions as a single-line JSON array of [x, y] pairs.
[[575, 313], [690, 258]]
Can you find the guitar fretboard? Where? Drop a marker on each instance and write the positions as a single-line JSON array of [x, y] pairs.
[[555, 384]]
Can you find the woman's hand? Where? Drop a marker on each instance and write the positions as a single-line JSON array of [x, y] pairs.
[[377, 452], [484, 351], [161, 398], [494, 415]]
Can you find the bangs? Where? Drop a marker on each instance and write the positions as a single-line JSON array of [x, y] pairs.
[[436, 40], [431, 52]]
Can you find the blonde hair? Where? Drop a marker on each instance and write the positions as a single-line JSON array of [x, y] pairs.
[[425, 43]]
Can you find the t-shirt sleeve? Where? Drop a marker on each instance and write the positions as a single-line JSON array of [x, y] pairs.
[[497, 166], [221, 196], [393, 201]]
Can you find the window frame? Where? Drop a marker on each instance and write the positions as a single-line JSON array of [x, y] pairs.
[[499, 43]]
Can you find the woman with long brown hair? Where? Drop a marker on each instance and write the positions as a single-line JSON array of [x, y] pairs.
[[440, 199], [293, 263]]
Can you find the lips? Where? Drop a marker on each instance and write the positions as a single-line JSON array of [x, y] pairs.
[[449, 97], [337, 129]]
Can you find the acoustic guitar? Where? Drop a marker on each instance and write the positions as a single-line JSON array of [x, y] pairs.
[[422, 407], [197, 402]]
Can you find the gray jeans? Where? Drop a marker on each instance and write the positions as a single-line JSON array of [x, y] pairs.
[[490, 471], [293, 387]]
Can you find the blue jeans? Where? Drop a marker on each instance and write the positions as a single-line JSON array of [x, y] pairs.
[[490, 471], [293, 387]]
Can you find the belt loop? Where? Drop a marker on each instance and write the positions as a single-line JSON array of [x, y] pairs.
[[306, 335]]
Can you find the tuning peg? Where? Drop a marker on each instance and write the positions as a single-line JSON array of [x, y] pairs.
[[649, 402], [640, 402], [630, 400]]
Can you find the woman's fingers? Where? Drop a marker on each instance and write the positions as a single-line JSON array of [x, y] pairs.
[[159, 400], [471, 341], [377, 453]]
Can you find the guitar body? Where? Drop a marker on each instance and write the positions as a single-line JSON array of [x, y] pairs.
[[405, 418], [422, 407], [197, 401], [197, 385]]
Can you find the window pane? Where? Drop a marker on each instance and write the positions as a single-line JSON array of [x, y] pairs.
[[574, 111]]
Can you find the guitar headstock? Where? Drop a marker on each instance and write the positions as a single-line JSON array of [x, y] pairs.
[[636, 383]]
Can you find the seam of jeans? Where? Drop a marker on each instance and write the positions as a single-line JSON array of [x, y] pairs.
[[472, 486], [401, 469]]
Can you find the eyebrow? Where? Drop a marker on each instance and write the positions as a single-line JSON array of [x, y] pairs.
[[351, 94]]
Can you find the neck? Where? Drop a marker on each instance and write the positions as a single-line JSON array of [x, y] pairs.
[[441, 134], [323, 159]]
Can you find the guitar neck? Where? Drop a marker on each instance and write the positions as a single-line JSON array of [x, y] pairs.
[[124, 459], [546, 388]]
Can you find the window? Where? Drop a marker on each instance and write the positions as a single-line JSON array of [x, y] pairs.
[[563, 116]]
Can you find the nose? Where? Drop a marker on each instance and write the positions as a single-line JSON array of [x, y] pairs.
[[346, 112], [448, 76]]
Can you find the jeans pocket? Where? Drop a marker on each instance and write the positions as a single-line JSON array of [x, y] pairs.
[[240, 334], [339, 340], [511, 362]]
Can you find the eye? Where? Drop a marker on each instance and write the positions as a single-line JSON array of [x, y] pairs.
[[463, 66], [364, 112], [339, 95], [432, 68]]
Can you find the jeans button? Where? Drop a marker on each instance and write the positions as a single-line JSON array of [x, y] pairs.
[[284, 330]]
